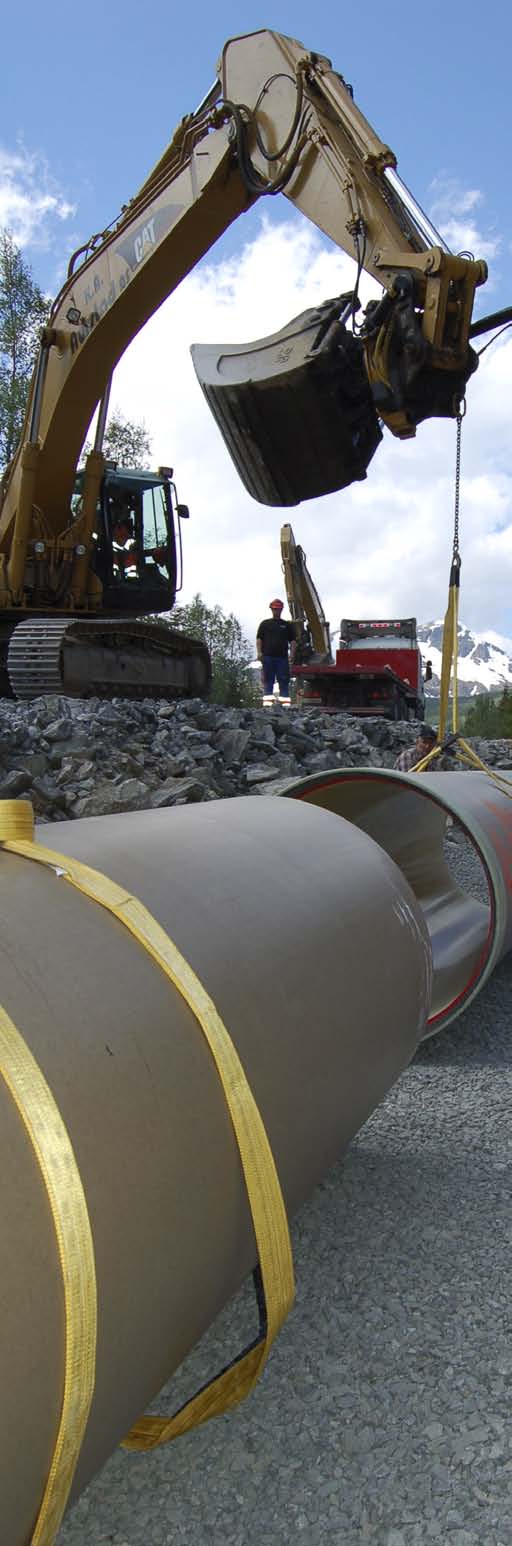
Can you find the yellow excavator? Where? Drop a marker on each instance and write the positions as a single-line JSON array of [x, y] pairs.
[[301, 412]]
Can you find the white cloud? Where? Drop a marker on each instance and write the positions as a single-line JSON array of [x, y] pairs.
[[30, 201], [453, 210], [501, 641], [381, 547]]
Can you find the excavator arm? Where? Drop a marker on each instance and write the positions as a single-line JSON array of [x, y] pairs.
[[306, 609], [278, 119]]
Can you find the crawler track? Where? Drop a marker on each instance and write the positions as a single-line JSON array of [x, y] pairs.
[[105, 658]]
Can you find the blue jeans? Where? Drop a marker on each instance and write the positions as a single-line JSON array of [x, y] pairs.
[[276, 666]]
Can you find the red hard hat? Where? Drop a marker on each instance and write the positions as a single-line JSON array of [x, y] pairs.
[[277, 603]]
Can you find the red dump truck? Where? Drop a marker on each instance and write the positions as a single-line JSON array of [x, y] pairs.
[[377, 670]]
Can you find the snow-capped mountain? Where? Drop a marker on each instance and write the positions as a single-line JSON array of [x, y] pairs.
[[484, 662]]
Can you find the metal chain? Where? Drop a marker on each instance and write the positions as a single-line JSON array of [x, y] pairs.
[[460, 417]]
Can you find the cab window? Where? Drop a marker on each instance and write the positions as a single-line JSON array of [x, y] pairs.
[[154, 527]]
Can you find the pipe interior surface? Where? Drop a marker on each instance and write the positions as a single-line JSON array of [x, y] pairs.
[[407, 814], [309, 941]]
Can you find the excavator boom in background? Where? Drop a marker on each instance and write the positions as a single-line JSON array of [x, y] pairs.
[[306, 610], [300, 412]]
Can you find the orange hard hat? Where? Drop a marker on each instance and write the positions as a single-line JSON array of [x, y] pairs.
[[277, 603]]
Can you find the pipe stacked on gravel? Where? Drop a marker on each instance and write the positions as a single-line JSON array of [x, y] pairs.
[[311, 944]]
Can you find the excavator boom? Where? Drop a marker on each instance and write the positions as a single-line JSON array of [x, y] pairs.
[[279, 118]]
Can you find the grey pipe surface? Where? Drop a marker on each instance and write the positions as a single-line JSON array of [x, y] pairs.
[[292, 919], [406, 813]]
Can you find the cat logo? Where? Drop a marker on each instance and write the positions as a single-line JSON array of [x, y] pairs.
[[145, 239], [137, 245]]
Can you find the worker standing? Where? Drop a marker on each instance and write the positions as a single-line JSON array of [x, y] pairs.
[[276, 644]]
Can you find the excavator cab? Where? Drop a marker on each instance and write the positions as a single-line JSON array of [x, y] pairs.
[[137, 543]]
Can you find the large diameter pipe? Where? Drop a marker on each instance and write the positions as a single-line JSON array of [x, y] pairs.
[[311, 945], [406, 813]]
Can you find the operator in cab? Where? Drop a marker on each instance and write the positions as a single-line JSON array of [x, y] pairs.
[[124, 549], [276, 644]]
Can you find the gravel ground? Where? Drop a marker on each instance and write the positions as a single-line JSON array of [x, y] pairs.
[[384, 1413]]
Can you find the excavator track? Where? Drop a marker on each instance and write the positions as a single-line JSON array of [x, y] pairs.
[[105, 658]]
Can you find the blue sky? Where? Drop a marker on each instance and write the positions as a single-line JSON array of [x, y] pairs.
[[99, 91], [90, 98]]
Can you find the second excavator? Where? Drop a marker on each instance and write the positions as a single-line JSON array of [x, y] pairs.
[[301, 412], [377, 669]]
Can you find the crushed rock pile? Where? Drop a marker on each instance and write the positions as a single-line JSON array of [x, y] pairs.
[[87, 757]]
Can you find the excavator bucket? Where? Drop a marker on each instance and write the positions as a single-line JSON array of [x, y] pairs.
[[295, 409]]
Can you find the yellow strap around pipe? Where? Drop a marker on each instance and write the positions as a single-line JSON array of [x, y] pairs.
[[455, 660], [449, 636], [261, 1179], [51, 1143], [463, 752]]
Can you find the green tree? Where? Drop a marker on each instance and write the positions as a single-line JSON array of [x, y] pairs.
[[127, 441], [23, 312], [232, 680], [505, 714], [483, 718]]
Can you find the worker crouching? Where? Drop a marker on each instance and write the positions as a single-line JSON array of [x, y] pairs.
[[424, 745]]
